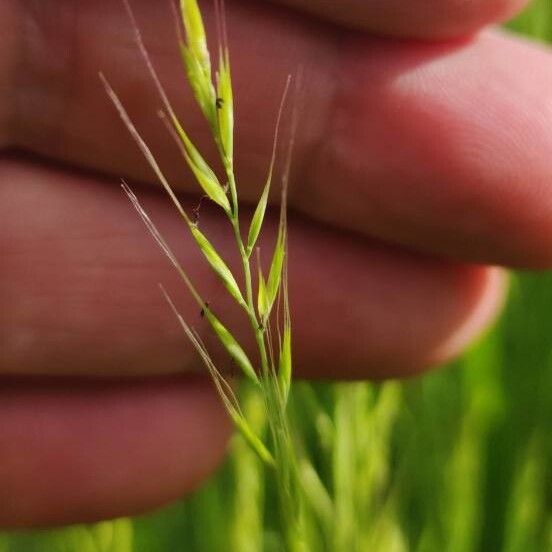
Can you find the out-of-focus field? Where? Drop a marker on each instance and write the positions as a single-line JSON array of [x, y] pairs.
[[457, 461]]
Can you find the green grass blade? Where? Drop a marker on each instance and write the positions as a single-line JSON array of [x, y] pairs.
[[316, 493], [218, 265], [246, 530]]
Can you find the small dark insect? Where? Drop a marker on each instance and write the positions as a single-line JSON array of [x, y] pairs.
[[202, 313], [196, 210], [261, 327], [219, 103]]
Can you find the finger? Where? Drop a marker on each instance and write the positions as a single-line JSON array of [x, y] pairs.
[[79, 289], [75, 452], [8, 43], [434, 19], [440, 148]]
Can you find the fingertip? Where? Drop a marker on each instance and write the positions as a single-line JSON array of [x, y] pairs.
[[419, 19], [479, 294], [443, 149], [450, 20], [77, 452], [486, 289]]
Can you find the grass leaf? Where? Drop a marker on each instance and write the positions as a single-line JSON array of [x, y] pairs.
[[218, 265]]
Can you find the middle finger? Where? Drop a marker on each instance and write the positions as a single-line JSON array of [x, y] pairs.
[[443, 148]]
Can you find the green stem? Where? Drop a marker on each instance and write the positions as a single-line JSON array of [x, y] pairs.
[[285, 464], [258, 330]]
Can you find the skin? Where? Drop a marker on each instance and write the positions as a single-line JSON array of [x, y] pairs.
[[422, 162]]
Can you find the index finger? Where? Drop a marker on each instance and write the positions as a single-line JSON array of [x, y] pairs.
[[434, 19]]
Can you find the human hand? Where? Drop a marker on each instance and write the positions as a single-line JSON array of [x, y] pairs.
[[413, 160]]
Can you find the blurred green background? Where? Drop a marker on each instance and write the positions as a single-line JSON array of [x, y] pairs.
[[459, 460]]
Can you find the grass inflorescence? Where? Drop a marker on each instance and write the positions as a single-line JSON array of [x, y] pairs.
[[271, 374], [456, 461]]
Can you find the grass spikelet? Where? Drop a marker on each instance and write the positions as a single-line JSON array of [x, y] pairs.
[[205, 176], [229, 342], [258, 215], [225, 391], [219, 266], [272, 285], [157, 236], [232, 346], [285, 365], [196, 58], [225, 108], [144, 148]]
